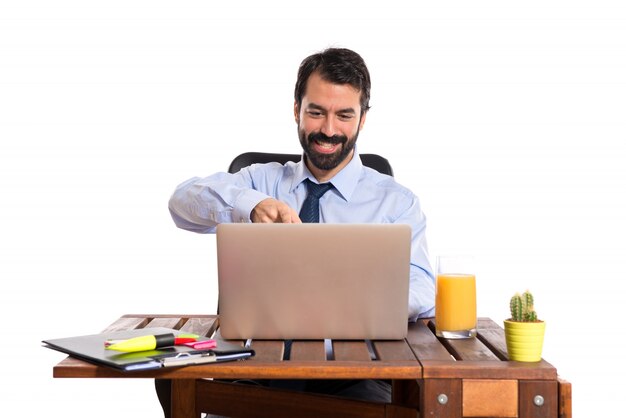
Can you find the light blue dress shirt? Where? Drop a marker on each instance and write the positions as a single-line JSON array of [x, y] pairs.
[[360, 195]]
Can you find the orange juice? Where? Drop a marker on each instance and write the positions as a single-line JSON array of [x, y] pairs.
[[455, 306]]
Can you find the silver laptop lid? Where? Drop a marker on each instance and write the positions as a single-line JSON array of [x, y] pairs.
[[313, 281]]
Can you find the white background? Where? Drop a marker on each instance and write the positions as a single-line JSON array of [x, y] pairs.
[[506, 118]]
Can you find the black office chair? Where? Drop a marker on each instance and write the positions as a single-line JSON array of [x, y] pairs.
[[374, 161]]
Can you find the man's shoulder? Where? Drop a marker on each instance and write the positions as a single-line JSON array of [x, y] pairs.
[[385, 183], [272, 169]]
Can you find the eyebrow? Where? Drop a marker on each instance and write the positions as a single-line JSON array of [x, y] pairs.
[[318, 107]]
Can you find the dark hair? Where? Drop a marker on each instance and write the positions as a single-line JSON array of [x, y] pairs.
[[338, 66]]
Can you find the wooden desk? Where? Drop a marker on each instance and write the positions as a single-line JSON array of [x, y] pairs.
[[438, 378]]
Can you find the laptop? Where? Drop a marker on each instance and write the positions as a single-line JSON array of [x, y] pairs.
[[313, 281]]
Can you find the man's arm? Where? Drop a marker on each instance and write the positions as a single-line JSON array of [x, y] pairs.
[[421, 294], [199, 205], [422, 280]]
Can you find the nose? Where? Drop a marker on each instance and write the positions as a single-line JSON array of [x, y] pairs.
[[328, 127]]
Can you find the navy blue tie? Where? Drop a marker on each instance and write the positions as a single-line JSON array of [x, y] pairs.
[[310, 211]]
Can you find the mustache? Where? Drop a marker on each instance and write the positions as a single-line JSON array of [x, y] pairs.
[[320, 137]]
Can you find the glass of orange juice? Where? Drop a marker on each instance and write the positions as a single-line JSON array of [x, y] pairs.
[[455, 304]]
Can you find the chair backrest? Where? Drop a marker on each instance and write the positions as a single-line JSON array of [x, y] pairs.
[[374, 161]]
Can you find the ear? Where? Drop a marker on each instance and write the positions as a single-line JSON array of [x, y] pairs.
[[296, 112], [362, 121]]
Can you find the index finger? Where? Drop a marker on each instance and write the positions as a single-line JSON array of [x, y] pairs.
[[285, 214], [295, 218]]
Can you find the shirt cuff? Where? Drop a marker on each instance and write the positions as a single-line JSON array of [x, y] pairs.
[[244, 204]]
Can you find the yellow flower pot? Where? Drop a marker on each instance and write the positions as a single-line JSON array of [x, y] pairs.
[[524, 340]]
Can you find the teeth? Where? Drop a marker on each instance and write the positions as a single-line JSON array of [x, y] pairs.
[[325, 144]]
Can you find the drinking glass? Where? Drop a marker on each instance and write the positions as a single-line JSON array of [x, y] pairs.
[[455, 305]]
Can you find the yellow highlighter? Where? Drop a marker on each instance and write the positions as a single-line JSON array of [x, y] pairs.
[[143, 343]]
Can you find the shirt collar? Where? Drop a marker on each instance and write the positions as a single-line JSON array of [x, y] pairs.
[[345, 181]]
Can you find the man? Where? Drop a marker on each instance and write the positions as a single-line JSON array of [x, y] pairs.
[[331, 103]]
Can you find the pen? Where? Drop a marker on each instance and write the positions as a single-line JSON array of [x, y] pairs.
[[182, 339], [148, 342]]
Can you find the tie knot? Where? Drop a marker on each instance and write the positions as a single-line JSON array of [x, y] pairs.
[[317, 190]]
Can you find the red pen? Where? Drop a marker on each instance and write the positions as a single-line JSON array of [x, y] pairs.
[[184, 340]]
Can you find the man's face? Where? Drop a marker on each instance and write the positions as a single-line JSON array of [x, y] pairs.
[[329, 120]]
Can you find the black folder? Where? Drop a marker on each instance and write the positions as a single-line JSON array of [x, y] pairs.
[[91, 349]]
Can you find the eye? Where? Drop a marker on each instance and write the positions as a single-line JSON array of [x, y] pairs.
[[345, 116], [314, 113]]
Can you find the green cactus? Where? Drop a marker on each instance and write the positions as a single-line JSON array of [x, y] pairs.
[[522, 308], [517, 311]]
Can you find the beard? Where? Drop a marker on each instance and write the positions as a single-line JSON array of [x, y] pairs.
[[326, 161]]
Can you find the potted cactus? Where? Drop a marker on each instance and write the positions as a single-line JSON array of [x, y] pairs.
[[523, 331]]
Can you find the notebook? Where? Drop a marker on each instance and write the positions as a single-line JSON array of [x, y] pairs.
[[91, 349], [313, 281]]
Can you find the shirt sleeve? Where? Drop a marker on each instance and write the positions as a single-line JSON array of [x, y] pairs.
[[422, 280], [200, 204]]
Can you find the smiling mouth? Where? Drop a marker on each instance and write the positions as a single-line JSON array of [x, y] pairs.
[[325, 147]]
